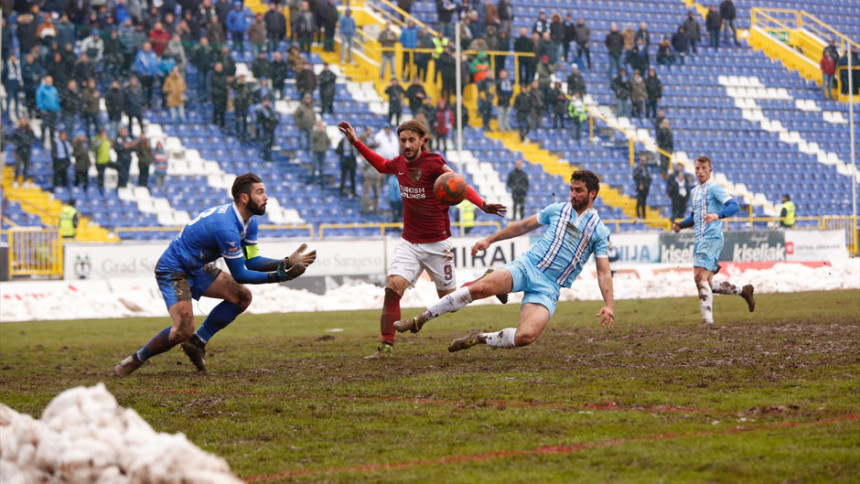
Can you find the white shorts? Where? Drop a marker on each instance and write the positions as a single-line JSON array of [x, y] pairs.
[[437, 258]]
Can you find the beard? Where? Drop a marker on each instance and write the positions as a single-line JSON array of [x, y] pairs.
[[579, 205], [256, 209]]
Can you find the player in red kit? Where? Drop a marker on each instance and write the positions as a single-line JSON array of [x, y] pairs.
[[426, 243]]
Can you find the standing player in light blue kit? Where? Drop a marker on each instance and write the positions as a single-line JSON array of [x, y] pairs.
[[710, 205], [185, 271], [574, 233]]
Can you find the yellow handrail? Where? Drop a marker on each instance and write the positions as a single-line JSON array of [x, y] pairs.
[[398, 21], [631, 136]]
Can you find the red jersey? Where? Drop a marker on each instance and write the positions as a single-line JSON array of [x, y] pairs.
[[425, 219]]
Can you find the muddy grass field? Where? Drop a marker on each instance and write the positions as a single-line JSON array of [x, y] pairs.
[[772, 396]]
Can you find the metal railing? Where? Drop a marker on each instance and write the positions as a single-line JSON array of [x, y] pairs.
[[383, 227], [34, 251], [119, 231]]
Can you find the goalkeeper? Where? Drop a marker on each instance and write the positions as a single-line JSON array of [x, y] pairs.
[[185, 271]]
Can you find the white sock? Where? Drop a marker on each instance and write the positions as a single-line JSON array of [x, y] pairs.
[[726, 287], [448, 304], [706, 302], [501, 339]]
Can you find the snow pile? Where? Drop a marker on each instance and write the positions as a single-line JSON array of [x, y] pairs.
[[85, 437]]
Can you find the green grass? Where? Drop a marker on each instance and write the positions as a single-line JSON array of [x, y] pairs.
[[772, 396]]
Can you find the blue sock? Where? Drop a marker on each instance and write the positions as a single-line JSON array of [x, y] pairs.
[[156, 346], [218, 319]]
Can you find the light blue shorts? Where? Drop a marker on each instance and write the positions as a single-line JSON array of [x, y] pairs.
[[706, 253], [535, 286]]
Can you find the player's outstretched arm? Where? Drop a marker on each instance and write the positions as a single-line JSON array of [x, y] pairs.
[[604, 281], [256, 262], [371, 156], [683, 224], [513, 230], [491, 208]]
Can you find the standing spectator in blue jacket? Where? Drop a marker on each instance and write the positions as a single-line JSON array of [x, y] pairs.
[[237, 24], [728, 14], [48, 102], [713, 22], [408, 40], [133, 103], [347, 32], [31, 73], [681, 44], [146, 67]]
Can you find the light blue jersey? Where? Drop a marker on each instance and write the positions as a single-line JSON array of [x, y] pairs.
[[216, 232], [708, 198]]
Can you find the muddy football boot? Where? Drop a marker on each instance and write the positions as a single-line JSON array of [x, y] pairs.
[[474, 337], [385, 350], [127, 366], [195, 353], [747, 294]]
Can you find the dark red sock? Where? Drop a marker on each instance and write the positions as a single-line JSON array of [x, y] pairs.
[[390, 314]]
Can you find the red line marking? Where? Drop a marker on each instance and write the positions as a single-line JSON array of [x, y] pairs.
[[549, 449]]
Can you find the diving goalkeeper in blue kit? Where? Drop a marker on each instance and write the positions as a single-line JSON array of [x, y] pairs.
[[185, 271]]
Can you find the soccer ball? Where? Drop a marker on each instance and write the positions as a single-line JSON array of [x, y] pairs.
[[450, 188]]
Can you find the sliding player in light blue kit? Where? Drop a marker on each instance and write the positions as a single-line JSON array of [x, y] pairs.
[[185, 271], [574, 233], [710, 205]]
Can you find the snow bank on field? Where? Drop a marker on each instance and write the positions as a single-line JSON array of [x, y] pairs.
[[85, 437], [29, 301]]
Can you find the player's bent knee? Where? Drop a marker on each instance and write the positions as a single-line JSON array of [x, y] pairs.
[[525, 338], [243, 298]]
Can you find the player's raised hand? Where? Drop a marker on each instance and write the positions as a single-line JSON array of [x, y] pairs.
[[494, 208], [347, 131], [479, 246], [300, 257], [608, 318], [285, 272]]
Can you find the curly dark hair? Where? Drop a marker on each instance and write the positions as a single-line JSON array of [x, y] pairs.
[[591, 180], [243, 183]]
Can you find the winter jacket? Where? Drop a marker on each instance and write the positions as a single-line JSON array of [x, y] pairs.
[[146, 64], [583, 35], [70, 102], [114, 102], [257, 32], [81, 154], [133, 100], [90, 101], [518, 183], [727, 10], [175, 88], [638, 93], [654, 87], [575, 83], [237, 21], [621, 87], [320, 141], [347, 26], [47, 98], [276, 25], [304, 116], [692, 29], [713, 21], [614, 43]]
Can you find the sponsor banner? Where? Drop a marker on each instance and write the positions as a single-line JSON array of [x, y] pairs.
[[803, 245], [677, 248], [637, 248], [758, 246]]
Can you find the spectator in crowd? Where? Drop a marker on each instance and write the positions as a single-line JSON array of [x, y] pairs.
[[559, 106], [165, 67], [518, 184], [678, 188], [654, 89], [257, 35], [569, 38], [101, 145], [123, 146], [242, 98], [13, 82], [347, 32], [787, 213], [26, 32], [446, 67], [90, 98], [629, 37], [395, 200], [23, 138], [371, 180], [665, 143], [295, 59], [416, 94], [278, 70], [406, 6], [268, 120], [583, 37], [444, 124], [538, 106], [220, 92], [445, 12], [409, 41], [320, 144], [158, 39], [713, 22], [61, 155], [615, 47], [642, 179], [486, 88], [831, 50], [387, 40], [621, 88], [505, 9], [661, 115], [728, 14], [544, 47], [465, 216], [59, 70], [504, 93], [347, 155], [578, 115], [422, 59], [133, 107], [261, 67], [31, 73], [68, 223], [521, 106], [306, 80], [638, 58], [557, 34], [524, 45], [541, 25], [328, 22], [665, 56], [115, 104], [65, 31], [681, 45], [305, 118], [638, 94], [202, 58], [544, 80], [502, 43], [237, 24], [146, 66], [644, 35], [692, 30], [327, 80], [828, 71], [226, 61], [480, 67], [575, 82], [48, 102], [159, 156], [144, 160], [467, 34], [276, 26], [174, 87], [843, 74]]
